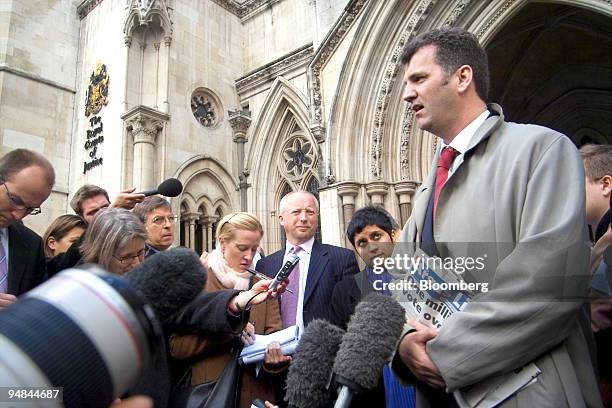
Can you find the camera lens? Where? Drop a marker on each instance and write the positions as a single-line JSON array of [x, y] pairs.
[[85, 331]]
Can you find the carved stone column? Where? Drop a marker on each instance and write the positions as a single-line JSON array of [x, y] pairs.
[[190, 219], [205, 226], [144, 124], [404, 192], [348, 192], [240, 120], [377, 192], [209, 221]]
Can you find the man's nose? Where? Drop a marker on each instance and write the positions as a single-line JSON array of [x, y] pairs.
[[409, 94], [18, 214]]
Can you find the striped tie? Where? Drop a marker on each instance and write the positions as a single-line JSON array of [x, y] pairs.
[[289, 301], [3, 270]]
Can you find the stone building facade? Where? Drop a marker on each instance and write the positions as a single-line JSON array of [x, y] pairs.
[[244, 101]]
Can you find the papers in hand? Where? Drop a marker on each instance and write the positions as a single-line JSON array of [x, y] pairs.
[[288, 339]]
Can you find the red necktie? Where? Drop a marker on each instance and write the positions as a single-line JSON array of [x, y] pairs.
[[447, 155]]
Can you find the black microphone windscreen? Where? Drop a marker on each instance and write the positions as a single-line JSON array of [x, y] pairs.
[[170, 188], [311, 367], [169, 280], [370, 340]]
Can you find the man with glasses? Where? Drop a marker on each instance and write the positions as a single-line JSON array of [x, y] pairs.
[[156, 215], [27, 178]]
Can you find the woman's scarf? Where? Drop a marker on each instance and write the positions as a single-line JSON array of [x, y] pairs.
[[229, 277]]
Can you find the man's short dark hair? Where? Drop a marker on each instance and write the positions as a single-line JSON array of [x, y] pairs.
[[597, 160], [454, 47], [84, 193], [370, 215], [16, 160], [148, 205]]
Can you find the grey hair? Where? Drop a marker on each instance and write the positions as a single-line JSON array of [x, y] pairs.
[[110, 230], [283, 201], [148, 205]]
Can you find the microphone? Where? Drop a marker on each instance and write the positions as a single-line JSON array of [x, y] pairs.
[[370, 340], [285, 270], [311, 369], [169, 280], [168, 188]]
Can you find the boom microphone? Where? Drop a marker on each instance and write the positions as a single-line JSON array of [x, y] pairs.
[[169, 280], [283, 272], [369, 342], [168, 188], [310, 371]]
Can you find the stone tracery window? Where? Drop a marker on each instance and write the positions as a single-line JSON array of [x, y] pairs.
[[297, 157], [206, 108]]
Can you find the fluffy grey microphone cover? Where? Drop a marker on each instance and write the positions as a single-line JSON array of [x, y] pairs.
[[311, 367], [169, 280], [370, 340]]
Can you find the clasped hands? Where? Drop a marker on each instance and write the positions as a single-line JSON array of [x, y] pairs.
[[413, 353]]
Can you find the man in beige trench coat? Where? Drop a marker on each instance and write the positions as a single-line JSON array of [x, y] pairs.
[[521, 189]]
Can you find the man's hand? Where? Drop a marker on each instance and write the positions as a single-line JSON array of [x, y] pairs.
[[274, 357], [127, 199], [413, 353], [6, 299]]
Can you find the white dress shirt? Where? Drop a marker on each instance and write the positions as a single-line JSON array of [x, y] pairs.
[[461, 142], [304, 255]]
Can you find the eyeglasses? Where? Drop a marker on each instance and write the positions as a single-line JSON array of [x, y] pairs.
[[161, 220], [18, 203], [126, 260]]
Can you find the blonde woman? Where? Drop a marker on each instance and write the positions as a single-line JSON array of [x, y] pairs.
[[238, 237]]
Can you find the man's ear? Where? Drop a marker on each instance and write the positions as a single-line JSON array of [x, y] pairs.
[[280, 219], [465, 78], [606, 185], [395, 235]]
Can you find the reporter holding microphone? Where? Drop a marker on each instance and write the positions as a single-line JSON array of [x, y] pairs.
[[239, 235]]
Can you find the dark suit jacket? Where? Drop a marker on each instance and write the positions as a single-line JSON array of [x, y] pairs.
[[328, 265], [26, 259]]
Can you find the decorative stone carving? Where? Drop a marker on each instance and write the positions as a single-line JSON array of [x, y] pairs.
[[144, 123], [459, 9], [281, 66], [148, 12], [330, 179], [500, 11], [205, 107], [240, 121], [405, 144], [324, 53], [247, 8], [296, 158], [384, 91], [85, 7]]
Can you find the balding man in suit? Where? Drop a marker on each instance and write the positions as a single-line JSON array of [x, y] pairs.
[[27, 178]]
